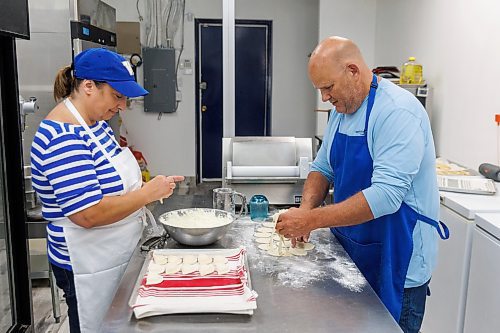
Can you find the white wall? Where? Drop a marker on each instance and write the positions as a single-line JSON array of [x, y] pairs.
[[457, 43], [169, 144], [295, 34], [353, 19]]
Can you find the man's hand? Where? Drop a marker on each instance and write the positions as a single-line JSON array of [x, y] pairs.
[[295, 224]]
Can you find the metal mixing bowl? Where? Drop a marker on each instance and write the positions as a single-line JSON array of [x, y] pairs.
[[196, 236]]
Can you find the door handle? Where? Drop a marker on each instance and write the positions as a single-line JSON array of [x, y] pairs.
[[203, 108], [203, 85]]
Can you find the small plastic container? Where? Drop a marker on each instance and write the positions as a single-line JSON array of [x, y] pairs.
[[411, 72], [259, 206]]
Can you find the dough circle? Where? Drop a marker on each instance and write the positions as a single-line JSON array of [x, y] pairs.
[[305, 246], [189, 268], [153, 279], [222, 268], [155, 268], [276, 252], [172, 268], [264, 247], [189, 259], [264, 229], [204, 259], [262, 240], [268, 224], [206, 269], [297, 252], [220, 260], [174, 259], [160, 259]]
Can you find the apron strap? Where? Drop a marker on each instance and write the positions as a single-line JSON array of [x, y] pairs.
[[371, 100], [82, 122], [436, 225]]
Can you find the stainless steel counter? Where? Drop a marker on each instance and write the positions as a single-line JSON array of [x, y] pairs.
[[321, 292]]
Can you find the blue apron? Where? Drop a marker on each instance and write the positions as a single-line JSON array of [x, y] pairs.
[[381, 248]]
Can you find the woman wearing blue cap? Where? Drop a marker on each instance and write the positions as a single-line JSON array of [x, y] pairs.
[[90, 188]]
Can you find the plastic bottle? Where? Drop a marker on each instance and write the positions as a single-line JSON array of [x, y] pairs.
[[411, 73]]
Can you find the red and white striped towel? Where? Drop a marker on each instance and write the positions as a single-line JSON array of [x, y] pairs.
[[193, 293]]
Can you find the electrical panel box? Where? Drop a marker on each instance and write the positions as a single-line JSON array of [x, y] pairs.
[[159, 80]]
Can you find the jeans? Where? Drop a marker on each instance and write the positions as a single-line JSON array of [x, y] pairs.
[[412, 312], [65, 281]]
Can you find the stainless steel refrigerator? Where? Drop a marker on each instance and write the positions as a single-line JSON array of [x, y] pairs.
[[15, 287]]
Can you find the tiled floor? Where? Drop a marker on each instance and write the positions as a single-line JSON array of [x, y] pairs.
[[184, 197], [42, 309]]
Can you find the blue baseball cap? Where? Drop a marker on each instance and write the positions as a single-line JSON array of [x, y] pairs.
[[103, 65]]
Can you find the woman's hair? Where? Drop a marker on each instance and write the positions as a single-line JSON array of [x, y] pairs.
[[65, 83]]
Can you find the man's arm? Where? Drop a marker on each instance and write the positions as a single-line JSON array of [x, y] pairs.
[[315, 190], [299, 222]]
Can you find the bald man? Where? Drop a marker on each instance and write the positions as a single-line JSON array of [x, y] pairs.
[[378, 152]]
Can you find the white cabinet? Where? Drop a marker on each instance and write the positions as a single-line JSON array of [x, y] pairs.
[[445, 308], [483, 297]]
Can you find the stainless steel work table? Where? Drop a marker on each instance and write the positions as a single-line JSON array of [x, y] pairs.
[[321, 292]]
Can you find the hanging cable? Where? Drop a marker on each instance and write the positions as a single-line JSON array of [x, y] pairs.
[[168, 19], [138, 12], [182, 44], [180, 52]]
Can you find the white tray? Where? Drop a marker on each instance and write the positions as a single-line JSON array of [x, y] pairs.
[[196, 252]]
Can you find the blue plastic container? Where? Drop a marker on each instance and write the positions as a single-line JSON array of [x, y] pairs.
[[259, 206]]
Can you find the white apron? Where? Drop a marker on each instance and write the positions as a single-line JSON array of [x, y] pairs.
[[100, 255]]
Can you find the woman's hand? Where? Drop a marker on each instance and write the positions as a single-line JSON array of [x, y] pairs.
[[161, 187], [114, 208]]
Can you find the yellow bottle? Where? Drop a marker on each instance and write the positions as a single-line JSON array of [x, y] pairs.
[[411, 73]]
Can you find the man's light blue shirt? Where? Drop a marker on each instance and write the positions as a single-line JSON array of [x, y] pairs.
[[401, 145]]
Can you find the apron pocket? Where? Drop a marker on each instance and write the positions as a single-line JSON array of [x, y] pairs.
[[367, 257]]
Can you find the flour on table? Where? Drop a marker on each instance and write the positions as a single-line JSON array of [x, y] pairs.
[[326, 262]]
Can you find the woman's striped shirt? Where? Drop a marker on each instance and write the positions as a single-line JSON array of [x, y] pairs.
[[69, 174]]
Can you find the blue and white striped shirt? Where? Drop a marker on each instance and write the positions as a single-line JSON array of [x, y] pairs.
[[69, 174]]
